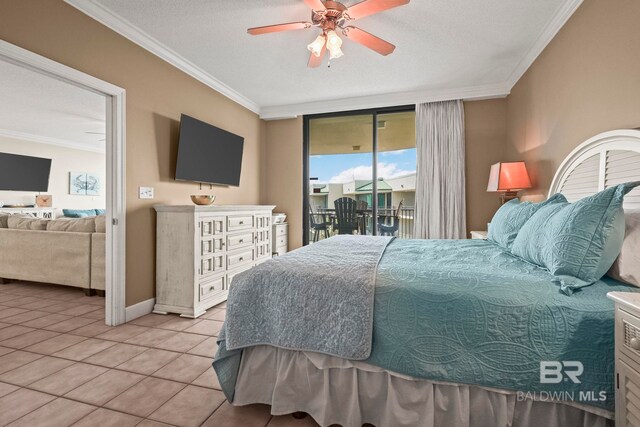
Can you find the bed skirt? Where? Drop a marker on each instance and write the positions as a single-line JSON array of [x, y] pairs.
[[338, 391]]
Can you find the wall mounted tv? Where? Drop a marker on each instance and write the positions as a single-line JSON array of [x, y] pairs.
[[208, 154], [24, 173]]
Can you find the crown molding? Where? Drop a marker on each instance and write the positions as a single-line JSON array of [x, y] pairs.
[[562, 15], [50, 141], [384, 100], [499, 90], [126, 29]]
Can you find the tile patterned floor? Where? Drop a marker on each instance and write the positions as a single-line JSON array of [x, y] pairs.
[[61, 366]]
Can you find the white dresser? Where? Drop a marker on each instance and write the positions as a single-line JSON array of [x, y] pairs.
[[199, 249], [627, 355], [280, 236]]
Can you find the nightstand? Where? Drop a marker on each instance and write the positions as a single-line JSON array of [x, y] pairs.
[[482, 235], [627, 334]]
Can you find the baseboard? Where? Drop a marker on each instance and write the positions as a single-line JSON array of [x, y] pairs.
[[140, 309]]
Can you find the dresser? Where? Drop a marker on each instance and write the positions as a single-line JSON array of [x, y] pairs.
[[199, 249], [627, 354], [280, 236]]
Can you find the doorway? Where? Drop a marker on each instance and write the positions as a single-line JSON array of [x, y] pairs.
[[366, 159], [114, 153]]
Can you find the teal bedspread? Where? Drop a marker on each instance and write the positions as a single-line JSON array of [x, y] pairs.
[[467, 312]]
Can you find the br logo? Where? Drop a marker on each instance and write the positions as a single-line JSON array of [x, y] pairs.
[[554, 372]]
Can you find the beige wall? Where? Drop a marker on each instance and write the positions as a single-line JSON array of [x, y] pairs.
[[585, 82], [485, 136], [283, 180], [63, 161], [156, 95]]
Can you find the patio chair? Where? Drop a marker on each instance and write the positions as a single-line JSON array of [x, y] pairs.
[[361, 208], [318, 226], [346, 214], [391, 229]]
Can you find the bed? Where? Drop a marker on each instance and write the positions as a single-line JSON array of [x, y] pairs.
[[459, 328]]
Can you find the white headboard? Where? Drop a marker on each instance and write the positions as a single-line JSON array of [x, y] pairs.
[[603, 161]]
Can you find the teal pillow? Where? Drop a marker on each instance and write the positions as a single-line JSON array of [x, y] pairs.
[[577, 242], [100, 211], [511, 216], [78, 213]]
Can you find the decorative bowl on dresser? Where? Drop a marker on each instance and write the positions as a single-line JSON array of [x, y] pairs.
[[199, 249]]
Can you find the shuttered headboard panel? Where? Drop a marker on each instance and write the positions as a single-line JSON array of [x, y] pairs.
[[603, 161]]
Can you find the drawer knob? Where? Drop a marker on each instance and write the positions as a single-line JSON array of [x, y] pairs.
[[212, 288], [241, 240], [635, 343], [241, 222], [240, 259]]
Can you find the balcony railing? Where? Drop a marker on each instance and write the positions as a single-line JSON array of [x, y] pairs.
[[385, 216]]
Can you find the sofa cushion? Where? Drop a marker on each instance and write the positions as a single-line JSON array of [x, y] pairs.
[[101, 224], [78, 213], [3, 221], [77, 225], [19, 222]]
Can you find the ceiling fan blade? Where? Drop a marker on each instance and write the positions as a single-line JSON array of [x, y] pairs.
[[315, 4], [369, 40], [316, 61], [277, 28], [370, 7]]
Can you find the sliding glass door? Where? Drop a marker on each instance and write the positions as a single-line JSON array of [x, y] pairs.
[[359, 174]]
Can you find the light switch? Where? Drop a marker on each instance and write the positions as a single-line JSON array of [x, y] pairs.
[[146, 193]]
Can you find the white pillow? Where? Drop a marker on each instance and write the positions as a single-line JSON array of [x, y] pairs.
[[626, 268]]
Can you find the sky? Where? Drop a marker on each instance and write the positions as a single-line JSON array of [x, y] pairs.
[[341, 168]]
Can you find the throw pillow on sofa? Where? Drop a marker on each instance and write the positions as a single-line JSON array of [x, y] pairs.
[[576, 242], [78, 213], [18, 222], [77, 225]]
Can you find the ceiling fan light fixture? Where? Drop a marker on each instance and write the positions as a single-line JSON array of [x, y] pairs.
[[316, 46], [335, 52], [333, 40]]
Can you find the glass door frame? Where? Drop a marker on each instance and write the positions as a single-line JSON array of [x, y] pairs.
[[374, 112]]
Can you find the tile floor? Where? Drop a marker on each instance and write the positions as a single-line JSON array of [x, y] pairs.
[[61, 366]]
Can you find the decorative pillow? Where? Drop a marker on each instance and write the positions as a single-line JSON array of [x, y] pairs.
[[100, 211], [77, 225], [101, 224], [577, 242], [511, 216], [18, 222], [3, 221], [626, 268], [78, 213]]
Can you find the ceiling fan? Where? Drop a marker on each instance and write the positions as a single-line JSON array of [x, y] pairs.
[[332, 15]]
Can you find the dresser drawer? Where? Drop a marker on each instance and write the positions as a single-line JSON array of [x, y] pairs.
[[628, 335], [239, 222], [241, 240], [211, 265], [240, 258], [234, 273], [212, 288], [279, 241], [281, 230], [281, 250]]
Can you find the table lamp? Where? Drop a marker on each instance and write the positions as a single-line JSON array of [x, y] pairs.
[[508, 178]]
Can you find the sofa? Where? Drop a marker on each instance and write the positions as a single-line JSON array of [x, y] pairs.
[[63, 251]]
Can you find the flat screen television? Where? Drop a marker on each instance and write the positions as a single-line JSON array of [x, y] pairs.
[[24, 173], [208, 154]]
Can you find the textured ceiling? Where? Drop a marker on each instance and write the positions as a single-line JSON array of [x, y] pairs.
[[442, 45], [38, 107]]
